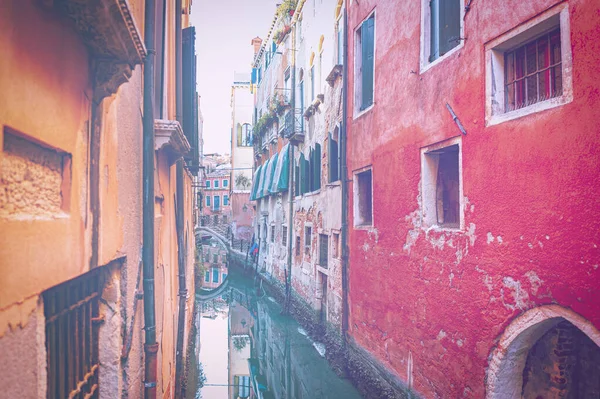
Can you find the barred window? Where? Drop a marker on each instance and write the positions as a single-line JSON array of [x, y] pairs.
[[323, 249], [72, 315], [533, 71]]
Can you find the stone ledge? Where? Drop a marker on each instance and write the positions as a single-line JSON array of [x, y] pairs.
[[169, 135]]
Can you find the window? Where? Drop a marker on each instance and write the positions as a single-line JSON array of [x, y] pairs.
[[244, 136], [307, 239], [333, 155], [215, 272], [323, 249], [72, 315], [533, 72], [529, 68], [225, 199], [208, 200], [297, 245], [241, 386], [339, 28], [216, 184], [284, 236], [215, 258], [208, 184], [364, 64], [225, 183], [207, 276], [216, 202], [207, 257], [272, 233], [444, 27], [223, 276], [441, 185], [335, 245], [363, 198]]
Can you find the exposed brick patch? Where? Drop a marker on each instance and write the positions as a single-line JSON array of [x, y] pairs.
[[31, 183]]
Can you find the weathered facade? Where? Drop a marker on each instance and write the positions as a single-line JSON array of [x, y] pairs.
[[241, 157], [217, 206], [473, 151], [71, 200], [299, 103]]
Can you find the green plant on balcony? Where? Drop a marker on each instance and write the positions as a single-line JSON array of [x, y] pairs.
[[286, 8]]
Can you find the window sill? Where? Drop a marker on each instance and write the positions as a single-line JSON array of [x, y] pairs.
[[363, 227], [532, 109], [426, 65], [336, 183], [364, 111], [309, 194]]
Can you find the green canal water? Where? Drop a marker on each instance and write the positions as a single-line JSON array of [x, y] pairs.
[[245, 348]]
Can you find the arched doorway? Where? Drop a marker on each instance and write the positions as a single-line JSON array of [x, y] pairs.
[[547, 353]]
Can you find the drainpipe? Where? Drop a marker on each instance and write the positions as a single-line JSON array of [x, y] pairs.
[[290, 231], [150, 345], [343, 136], [182, 286], [179, 206]]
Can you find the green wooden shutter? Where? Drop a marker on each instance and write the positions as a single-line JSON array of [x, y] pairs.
[[297, 179], [449, 24], [368, 44], [333, 156], [317, 167], [434, 31], [303, 175], [311, 170]]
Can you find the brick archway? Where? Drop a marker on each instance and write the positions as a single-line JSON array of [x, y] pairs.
[[504, 379]]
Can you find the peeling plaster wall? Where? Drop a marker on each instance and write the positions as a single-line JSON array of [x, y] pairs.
[[430, 303], [321, 209]]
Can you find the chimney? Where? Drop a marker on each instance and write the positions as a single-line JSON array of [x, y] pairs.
[[256, 42]]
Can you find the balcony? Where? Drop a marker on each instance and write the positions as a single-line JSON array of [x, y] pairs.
[[293, 126]]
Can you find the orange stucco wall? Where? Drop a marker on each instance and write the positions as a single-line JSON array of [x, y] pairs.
[[44, 75]]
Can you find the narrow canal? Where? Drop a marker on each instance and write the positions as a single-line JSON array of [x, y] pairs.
[[245, 348]]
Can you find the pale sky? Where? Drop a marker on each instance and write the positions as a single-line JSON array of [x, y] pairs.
[[224, 30]]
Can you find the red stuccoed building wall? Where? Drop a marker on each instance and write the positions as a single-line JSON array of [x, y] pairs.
[[444, 309]]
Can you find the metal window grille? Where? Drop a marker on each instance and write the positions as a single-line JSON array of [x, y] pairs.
[[284, 236], [307, 239], [272, 233], [323, 249], [447, 188], [533, 71], [72, 317]]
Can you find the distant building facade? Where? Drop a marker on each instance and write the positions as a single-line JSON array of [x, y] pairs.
[[241, 157]]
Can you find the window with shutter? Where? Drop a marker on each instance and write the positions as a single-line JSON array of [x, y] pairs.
[[297, 179], [317, 167], [444, 27], [368, 47], [332, 154], [190, 96], [311, 173]]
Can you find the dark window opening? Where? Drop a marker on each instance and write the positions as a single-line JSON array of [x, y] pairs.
[[323, 249], [364, 198], [215, 273], [272, 233], [333, 154], [448, 188], [284, 236], [533, 71], [297, 245]]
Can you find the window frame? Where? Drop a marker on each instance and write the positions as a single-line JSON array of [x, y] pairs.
[[495, 50], [425, 48], [308, 242], [216, 183], [320, 259], [429, 172], [358, 111], [356, 205], [225, 183]]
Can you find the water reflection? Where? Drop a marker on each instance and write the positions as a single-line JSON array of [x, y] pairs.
[[249, 350], [214, 268]]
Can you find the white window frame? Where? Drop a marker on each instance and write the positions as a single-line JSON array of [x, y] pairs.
[[426, 36], [495, 113], [357, 112], [429, 170], [358, 222]]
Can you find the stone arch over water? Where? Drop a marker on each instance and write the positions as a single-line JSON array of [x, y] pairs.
[[539, 329]]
